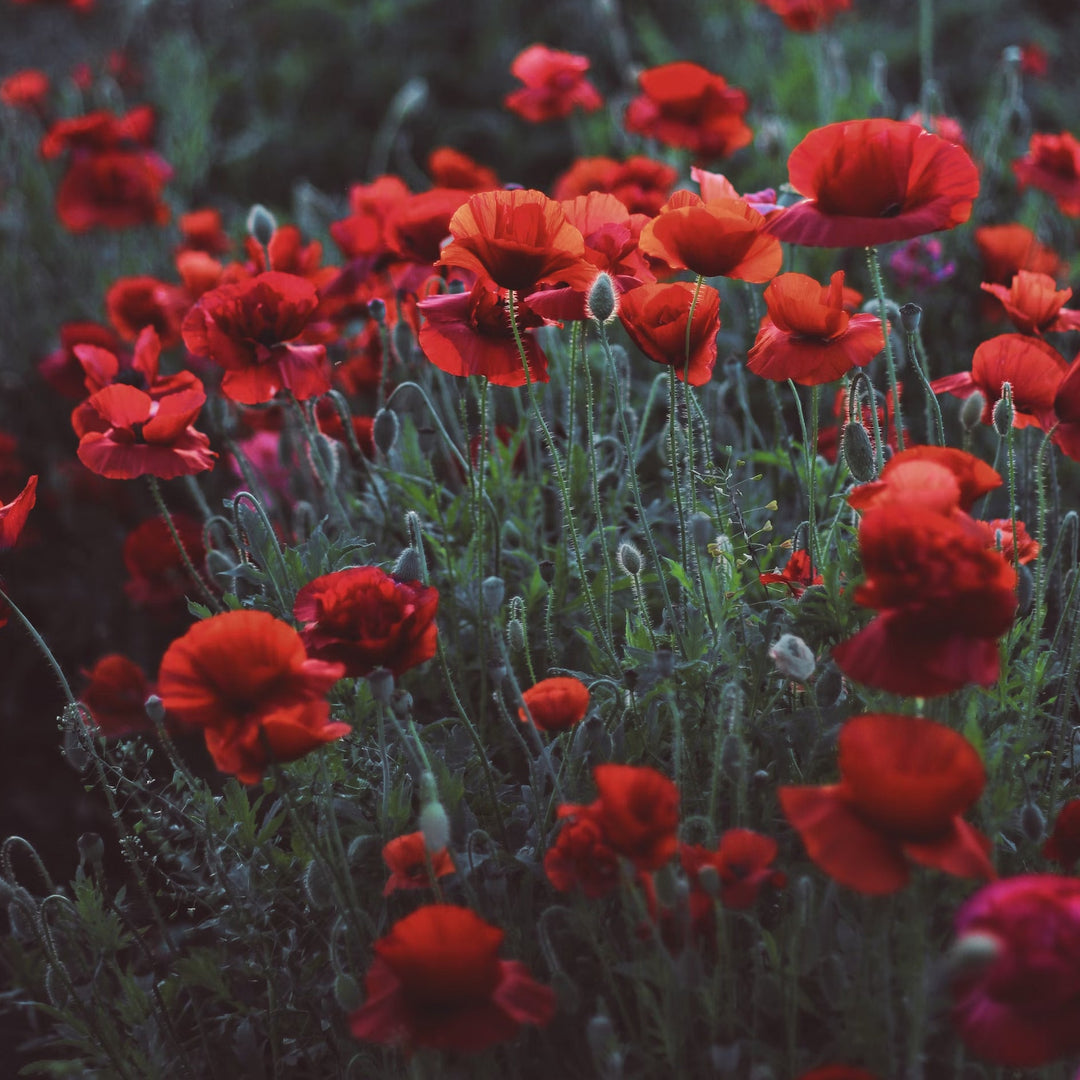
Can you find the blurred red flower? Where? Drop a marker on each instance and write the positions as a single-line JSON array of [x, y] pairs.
[[201, 230], [684, 105], [798, 574], [115, 189], [133, 303], [943, 599], [999, 535], [450, 168], [555, 85], [1016, 979], [808, 336], [1034, 304], [1063, 844], [638, 811], [407, 857], [806, 16], [904, 782], [62, 370], [250, 329], [519, 239], [655, 316], [13, 515], [1052, 164], [244, 678], [582, 856], [742, 862], [436, 981], [555, 704], [1005, 249], [116, 696], [157, 578], [27, 89], [641, 184], [875, 181], [363, 618]]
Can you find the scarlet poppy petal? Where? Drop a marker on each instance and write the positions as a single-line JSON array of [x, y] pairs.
[[961, 851], [13, 515]]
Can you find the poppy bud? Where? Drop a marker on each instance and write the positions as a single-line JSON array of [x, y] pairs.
[[829, 688], [971, 953], [858, 452], [600, 1035], [602, 303], [377, 309], [317, 885], [91, 848], [408, 566], [547, 571], [910, 318], [155, 710], [1032, 822], [381, 682], [709, 879], [629, 559], [1003, 411], [793, 657], [384, 430], [261, 224], [496, 672], [515, 635], [971, 411], [1025, 590], [492, 590], [435, 826]]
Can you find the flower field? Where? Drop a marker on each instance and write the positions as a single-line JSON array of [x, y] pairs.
[[539, 543]]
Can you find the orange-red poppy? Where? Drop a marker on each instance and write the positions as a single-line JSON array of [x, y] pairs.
[[408, 858], [1034, 303], [806, 16], [1052, 164], [1005, 249], [554, 85], [555, 704], [640, 183], [13, 515]]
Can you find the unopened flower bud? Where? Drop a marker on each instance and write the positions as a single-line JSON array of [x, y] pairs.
[[603, 301], [1025, 590], [435, 826], [492, 589], [1003, 411], [708, 878], [600, 1035], [910, 318], [155, 709], [629, 559], [384, 430], [793, 657], [829, 688], [1032, 822], [547, 571], [971, 411], [376, 308], [972, 953], [381, 682], [408, 566], [858, 452], [515, 635], [91, 848], [317, 885], [261, 224]]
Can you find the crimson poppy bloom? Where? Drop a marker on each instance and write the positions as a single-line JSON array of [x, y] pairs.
[[555, 704], [13, 515], [1032, 368], [408, 857], [742, 862], [116, 696], [719, 238], [641, 184], [582, 857], [157, 577], [250, 329], [798, 574], [1052, 164], [416, 227], [133, 303], [904, 782], [62, 370], [943, 597], [875, 181], [808, 336], [655, 316], [202, 230], [1005, 249], [638, 811], [470, 334], [436, 981], [1016, 1002], [999, 535], [806, 16], [124, 432], [519, 239], [363, 618], [27, 89], [1033, 303], [99, 130], [450, 168], [114, 190], [244, 678], [555, 85], [1063, 844], [684, 105]]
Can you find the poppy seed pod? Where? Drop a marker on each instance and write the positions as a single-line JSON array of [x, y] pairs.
[[261, 224], [910, 318], [602, 303], [384, 430]]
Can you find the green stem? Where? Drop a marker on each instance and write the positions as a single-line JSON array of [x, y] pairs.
[[890, 363], [809, 439], [913, 344], [196, 577]]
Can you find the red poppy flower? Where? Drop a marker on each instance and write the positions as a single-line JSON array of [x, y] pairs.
[[28, 89], [806, 16], [407, 857], [829, 437], [416, 227], [1018, 1002], [1033, 303], [519, 239], [359, 236], [639, 183], [904, 782], [875, 181], [115, 189], [720, 238], [1063, 844], [638, 812], [133, 303], [582, 856], [450, 168], [470, 334], [116, 696], [742, 862], [947, 127], [98, 131], [436, 981], [798, 574], [1032, 368], [938, 478], [943, 599], [244, 678], [157, 577], [555, 704], [555, 85], [363, 618], [62, 370], [999, 536], [202, 231], [808, 336], [655, 317], [124, 432], [13, 515], [249, 329], [1052, 164], [1005, 249], [685, 106]]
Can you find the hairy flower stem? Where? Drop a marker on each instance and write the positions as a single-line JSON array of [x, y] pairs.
[[44, 649], [874, 266], [809, 439], [189, 566], [933, 408], [560, 479], [318, 447], [635, 488]]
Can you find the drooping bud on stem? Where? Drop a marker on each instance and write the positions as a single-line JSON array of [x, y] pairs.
[[261, 224]]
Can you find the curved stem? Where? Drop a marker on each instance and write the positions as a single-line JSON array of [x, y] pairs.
[[196, 577], [890, 363]]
